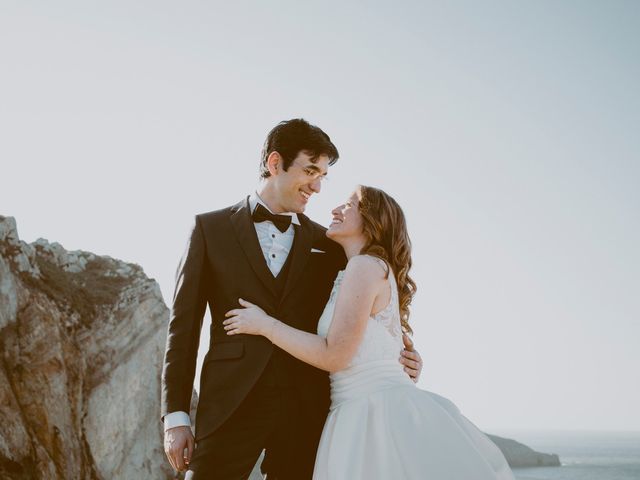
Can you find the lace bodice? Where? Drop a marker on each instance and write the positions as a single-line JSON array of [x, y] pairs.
[[383, 336]]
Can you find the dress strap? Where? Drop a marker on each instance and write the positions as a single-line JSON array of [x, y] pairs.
[[391, 281]]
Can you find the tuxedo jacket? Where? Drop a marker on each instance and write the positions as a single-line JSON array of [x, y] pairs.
[[222, 263]]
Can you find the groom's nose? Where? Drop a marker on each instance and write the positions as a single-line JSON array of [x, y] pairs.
[[316, 185]]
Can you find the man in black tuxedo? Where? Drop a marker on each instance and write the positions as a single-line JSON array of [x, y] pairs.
[[253, 395]]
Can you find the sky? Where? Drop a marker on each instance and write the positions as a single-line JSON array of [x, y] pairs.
[[506, 130]]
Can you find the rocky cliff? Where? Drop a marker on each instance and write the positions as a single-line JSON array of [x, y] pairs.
[[519, 455], [81, 342]]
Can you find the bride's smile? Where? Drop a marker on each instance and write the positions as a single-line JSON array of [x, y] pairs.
[[347, 221]]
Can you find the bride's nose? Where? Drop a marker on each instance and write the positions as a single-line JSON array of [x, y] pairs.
[[337, 210]]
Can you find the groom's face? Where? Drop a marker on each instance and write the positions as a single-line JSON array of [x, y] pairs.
[[300, 181]]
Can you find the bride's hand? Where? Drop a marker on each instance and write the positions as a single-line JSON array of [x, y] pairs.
[[250, 320]]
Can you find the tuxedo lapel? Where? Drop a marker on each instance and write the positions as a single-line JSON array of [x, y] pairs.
[[300, 250], [246, 235]]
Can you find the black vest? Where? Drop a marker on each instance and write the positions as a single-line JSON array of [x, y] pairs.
[[278, 370]]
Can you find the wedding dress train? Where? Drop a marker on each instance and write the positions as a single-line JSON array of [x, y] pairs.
[[381, 426]]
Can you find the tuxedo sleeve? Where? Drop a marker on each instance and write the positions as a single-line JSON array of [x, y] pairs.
[[185, 323]]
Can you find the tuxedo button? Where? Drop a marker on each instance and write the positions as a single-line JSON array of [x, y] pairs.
[[273, 255], [273, 235]]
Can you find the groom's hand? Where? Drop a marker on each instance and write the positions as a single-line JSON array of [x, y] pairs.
[[411, 359], [176, 441]]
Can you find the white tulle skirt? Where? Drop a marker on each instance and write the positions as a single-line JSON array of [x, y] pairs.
[[381, 426]]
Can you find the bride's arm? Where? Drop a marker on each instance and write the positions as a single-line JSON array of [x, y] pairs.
[[362, 282]]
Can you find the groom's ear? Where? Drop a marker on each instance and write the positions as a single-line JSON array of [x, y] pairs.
[[274, 163]]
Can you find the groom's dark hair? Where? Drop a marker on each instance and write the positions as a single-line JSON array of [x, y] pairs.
[[291, 137]]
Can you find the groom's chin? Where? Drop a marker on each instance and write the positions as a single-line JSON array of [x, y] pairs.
[[298, 208]]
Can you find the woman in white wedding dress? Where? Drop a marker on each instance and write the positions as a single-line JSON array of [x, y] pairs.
[[380, 425]]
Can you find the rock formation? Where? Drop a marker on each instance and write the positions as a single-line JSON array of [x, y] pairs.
[[519, 455], [82, 338]]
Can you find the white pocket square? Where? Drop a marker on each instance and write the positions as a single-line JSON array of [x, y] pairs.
[[315, 250]]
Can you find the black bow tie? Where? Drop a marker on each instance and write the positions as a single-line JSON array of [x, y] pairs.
[[261, 214]]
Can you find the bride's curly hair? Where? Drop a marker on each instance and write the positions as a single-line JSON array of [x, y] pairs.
[[385, 228]]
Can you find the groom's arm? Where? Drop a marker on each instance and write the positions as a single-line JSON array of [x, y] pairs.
[[411, 359], [185, 323]]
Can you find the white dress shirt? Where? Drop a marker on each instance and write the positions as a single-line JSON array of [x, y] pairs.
[[275, 246]]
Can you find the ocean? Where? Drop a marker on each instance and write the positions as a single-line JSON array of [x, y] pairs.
[[585, 455]]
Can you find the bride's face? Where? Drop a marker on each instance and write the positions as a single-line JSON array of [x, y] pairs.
[[347, 221]]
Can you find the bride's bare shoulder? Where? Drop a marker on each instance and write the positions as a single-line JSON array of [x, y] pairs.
[[367, 267]]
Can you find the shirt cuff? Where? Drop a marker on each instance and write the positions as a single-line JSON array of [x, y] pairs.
[[176, 419]]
